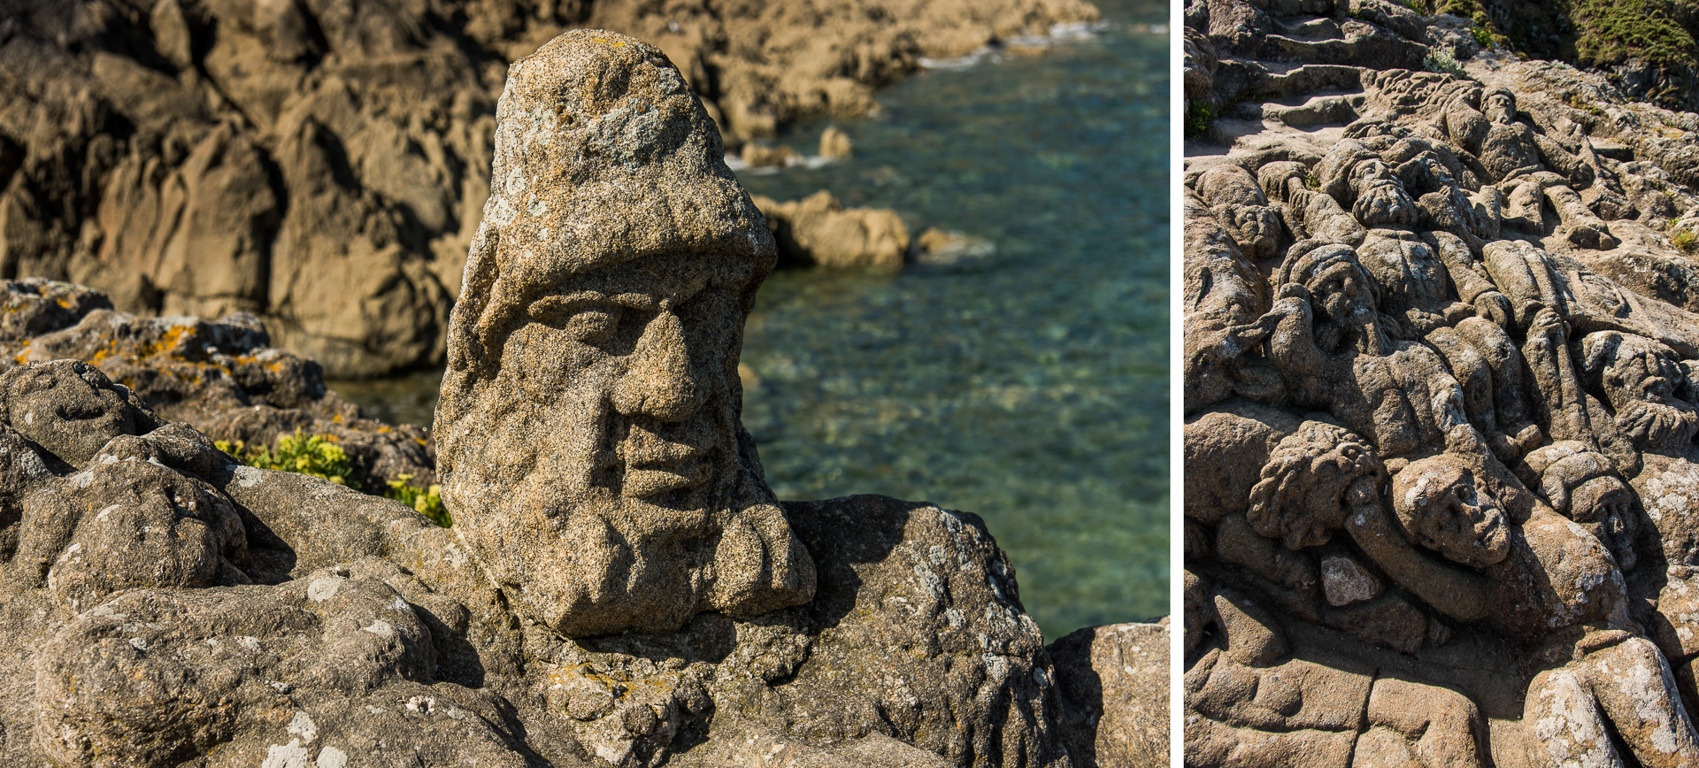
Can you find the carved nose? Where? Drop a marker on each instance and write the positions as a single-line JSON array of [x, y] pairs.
[[657, 381]]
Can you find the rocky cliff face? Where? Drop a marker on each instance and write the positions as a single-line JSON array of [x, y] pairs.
[[1440, 399], [322, 164]]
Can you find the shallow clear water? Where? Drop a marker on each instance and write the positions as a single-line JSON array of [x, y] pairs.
[[1028, 386]]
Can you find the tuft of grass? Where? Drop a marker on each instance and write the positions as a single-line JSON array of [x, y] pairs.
[[1442, 60], [315, 455], [1686, 241], [1311, 180], [1574, 100]]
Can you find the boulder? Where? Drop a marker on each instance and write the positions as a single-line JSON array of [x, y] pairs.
[[817, 230], [1114, 681], [835, 144]]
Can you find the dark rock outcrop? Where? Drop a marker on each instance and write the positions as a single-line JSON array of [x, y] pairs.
[[221, 377]]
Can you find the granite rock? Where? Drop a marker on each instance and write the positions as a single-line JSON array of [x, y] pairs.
[[819, 231]]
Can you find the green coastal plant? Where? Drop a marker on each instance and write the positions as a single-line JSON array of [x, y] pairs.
[[316, 455], [1198, 117], [1441, 60], [1614, 31], [1686, 241], [425, 501], [320, 456], [1483, 36]]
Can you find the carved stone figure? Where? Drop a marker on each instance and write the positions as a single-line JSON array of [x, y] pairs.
[[1534, 581], [1581, 484], [1473, 422], [1512, 153], [588, 428]]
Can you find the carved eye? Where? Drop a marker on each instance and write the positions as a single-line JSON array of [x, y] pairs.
[[593, 326], [587, 319]]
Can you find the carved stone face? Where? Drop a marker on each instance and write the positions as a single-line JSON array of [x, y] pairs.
[[1343, 296], [1342, 288], [1440, 506], [1604, 506], [1499, 106], [1380, 197], [69, 408], [642, 376], [1639, 378], [1314, 476]]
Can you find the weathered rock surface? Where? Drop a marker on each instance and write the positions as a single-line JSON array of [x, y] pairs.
[[819, 231], [1114, 680], [322, 164], [166, 606], [1440, 417], [222, 377]]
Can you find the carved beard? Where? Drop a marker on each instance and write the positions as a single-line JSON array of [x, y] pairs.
[[1360, 329], [1659, 426]]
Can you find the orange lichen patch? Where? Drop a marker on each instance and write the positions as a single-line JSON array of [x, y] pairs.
[[168, 341], [384, 429], [420, 441], [337, 418]]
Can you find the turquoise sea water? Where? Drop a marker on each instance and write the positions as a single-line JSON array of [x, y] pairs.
[[1028, 385]]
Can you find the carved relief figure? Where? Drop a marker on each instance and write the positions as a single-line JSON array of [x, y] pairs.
[[1474, 420]]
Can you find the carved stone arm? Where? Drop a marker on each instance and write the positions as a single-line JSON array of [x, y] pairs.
[[1457, 592]]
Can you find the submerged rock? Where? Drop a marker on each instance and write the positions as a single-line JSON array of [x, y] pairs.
[[835, 144], [819, 231]]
